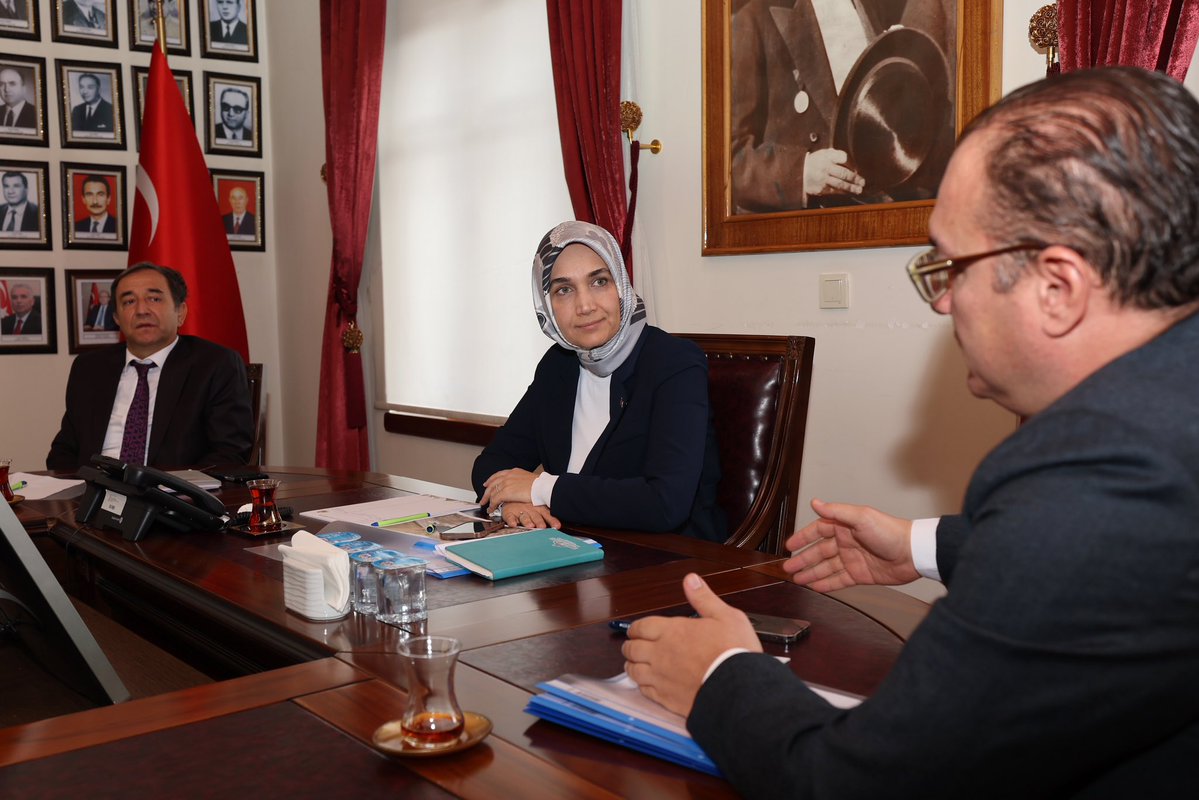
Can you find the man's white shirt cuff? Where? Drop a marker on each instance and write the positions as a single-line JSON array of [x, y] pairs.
[[720, 659], [924, 547]]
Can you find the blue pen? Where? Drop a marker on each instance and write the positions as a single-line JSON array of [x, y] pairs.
[[621, 625]]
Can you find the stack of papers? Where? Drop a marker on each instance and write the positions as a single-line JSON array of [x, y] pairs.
[[391, 510]]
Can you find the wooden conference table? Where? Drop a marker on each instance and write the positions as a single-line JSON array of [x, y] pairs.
[[297, 701]]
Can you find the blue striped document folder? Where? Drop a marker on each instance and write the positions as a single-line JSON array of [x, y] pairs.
[[614, 709]]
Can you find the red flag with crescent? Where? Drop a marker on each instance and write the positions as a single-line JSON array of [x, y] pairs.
[[176, 222]]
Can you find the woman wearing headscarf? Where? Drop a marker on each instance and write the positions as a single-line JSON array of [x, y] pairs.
[[614, 431]]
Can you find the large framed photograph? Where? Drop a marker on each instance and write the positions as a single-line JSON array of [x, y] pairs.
[[141, 77], [229, 29], [143, 26], [91, 22], [23, 100], [829, 125], [24, 212], [234, 114], [239, 198], [90, 307], [93, 215], [27, 321], [19, 19], [92, 106]]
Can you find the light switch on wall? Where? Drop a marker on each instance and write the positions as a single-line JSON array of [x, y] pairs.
[[834, 290]]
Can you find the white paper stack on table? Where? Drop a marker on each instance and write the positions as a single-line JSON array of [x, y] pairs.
[[316, 577]]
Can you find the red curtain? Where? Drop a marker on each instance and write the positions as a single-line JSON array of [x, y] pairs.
[[1155, 34], [585, 51], [352, 36]]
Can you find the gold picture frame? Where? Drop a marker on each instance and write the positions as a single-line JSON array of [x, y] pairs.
[[727, 230]]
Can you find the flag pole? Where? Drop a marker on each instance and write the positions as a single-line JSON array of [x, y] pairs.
[[160, 22]]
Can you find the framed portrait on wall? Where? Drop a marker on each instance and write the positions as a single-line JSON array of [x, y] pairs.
[[19, 19], [228, 29], [829, 125], [91, 22], [143, 26], [239, 198], [141, 76], [24, 206], [27, 320], [90, 320], [92, 105], [23, 100], [93, 215], [234, 113]]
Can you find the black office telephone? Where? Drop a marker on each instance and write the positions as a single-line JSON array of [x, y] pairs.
[[130, 498]]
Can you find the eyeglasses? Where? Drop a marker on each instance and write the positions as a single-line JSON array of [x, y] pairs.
[[932, 275], [228, 109]]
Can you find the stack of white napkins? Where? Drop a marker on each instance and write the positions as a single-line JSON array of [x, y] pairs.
[[316, 577]]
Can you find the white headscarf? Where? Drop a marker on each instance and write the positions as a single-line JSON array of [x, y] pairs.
[[605, 359]]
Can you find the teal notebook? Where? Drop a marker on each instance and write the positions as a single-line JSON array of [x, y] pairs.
[[522, 553]]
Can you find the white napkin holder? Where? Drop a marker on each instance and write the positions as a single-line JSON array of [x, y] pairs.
[[316, 578]]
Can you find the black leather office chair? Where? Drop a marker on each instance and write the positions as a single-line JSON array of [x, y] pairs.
[[254, 375], [758, 387]]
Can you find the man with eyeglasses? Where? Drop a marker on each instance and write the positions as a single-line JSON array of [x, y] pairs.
[[234, 127], [1062, 661]]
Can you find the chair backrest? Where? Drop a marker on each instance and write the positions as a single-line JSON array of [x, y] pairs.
[[254, 376], [758, 387]]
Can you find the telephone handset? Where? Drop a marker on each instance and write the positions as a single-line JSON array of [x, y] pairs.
[[131, 498]]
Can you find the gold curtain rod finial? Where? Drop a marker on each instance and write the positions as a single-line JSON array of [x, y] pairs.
[[630, 120], [1043, 32]]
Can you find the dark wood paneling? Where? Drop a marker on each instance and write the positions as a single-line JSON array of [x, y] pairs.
[[446, 429]]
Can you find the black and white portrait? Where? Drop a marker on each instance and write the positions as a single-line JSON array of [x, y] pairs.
[[22, 100], [840, 102], [143, 25], [92, 105], [233, 114], [24, 216], [229, 29], [85, 22], [19, 19]]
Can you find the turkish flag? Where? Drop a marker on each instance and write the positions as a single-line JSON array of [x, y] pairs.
[[175, 218]]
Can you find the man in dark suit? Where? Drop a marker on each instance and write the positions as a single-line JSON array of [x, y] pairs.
[[100, 317], [227, 28], [25, 319], [18, 213], [789, 65], [94, 113], [1062, 661], [239, 221], [199, 400], [97, 195], [83, 15], [16, 111], [235, 124]]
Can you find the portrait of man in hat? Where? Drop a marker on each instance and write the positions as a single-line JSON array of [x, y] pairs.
[[840, 102]]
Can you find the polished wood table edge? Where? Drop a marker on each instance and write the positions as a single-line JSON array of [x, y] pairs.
[[495, 767], [239, 618], [109, 723], [896, 611]]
